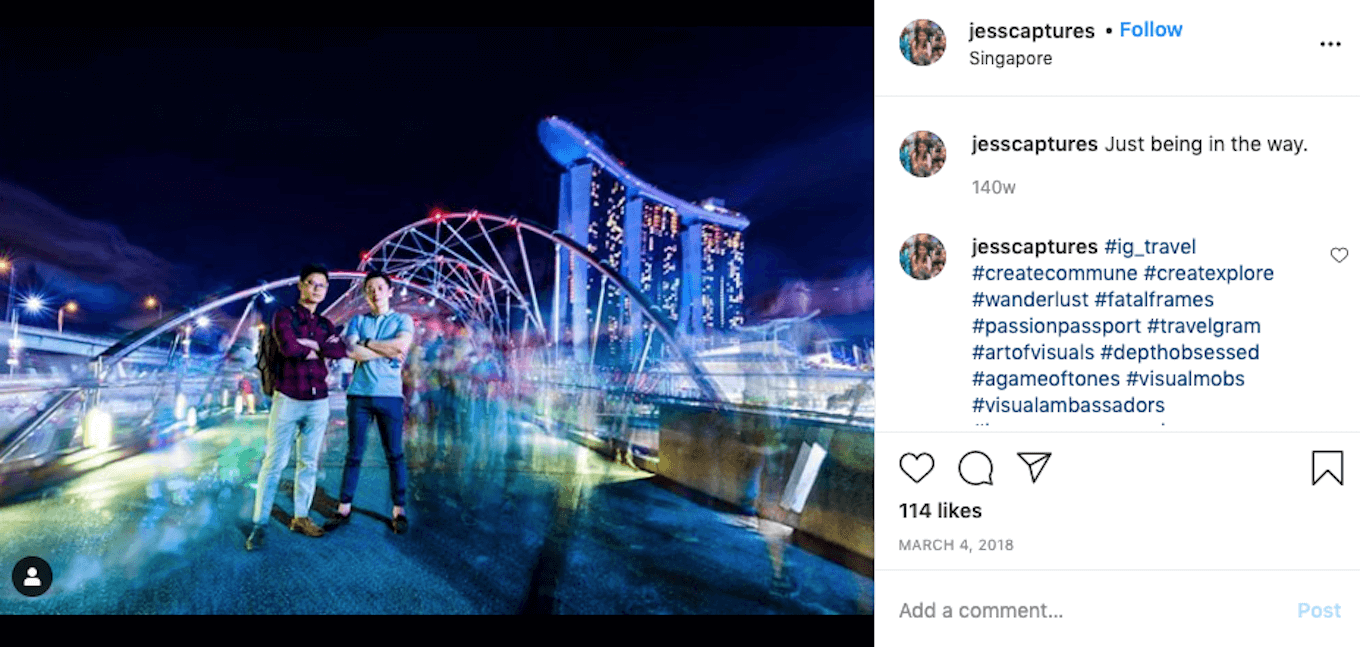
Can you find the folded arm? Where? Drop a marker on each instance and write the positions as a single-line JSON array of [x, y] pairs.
[[395, 347], [359, 353], [334, 347], [290, 343]]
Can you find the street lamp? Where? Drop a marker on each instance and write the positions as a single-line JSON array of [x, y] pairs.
[[153, 302], [13, 360], [7, 266], [33, 304], [70, 307]]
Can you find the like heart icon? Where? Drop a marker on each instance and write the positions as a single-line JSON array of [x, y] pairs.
[[1340, 253], [917, 466]]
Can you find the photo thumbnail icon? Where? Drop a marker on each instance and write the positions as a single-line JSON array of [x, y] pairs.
[[922, 257], [922, 153], [922, 42]]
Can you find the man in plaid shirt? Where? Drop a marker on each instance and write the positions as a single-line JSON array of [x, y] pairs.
[[301, 406]]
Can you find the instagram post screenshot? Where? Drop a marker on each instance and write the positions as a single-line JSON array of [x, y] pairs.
[[440, 321], [1116, 314]]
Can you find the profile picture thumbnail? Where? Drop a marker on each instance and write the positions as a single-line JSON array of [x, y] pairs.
[[922, 42], [922, 256], [922, 154]]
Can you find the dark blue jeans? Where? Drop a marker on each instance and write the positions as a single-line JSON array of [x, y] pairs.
[[387, 412]]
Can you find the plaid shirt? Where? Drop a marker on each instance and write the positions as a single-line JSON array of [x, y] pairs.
[[301, 378]]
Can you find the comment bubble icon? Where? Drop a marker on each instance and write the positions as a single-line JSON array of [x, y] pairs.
[[975, 468]]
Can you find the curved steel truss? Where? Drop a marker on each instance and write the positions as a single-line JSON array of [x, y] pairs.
[[496, 274], [493, 269]]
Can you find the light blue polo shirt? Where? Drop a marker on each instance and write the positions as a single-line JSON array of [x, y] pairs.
[[378, 377]]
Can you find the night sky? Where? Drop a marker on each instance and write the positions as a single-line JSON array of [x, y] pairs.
[[186, 164]]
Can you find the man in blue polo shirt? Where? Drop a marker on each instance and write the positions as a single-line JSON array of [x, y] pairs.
[[378, 342]]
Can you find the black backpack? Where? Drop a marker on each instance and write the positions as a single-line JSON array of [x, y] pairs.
[[268, 361]]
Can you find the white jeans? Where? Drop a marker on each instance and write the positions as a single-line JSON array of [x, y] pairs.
[[300, 422]]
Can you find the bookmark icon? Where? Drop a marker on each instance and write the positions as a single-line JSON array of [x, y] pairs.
[[1329, 463], [1035, 461]]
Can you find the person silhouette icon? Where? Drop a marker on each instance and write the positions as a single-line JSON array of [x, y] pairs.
[[32, 576]]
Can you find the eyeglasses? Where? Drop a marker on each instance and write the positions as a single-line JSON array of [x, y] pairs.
[[314, 284]]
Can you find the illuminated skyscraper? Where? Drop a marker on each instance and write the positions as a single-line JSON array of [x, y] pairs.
[[687, 258], [721, 271]]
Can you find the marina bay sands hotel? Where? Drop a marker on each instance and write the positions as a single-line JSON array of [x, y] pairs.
[[687, 258]]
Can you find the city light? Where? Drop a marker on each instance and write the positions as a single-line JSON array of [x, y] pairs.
[[202, 322], [70, 307], [34, 303], [7, 266], [98, 428]]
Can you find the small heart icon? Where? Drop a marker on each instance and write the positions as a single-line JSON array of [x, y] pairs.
[[917, 466], [1339, 254]]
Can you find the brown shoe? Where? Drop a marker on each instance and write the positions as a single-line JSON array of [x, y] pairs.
[[305, 526]]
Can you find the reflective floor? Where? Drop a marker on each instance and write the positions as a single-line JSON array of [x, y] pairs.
[[504, 519]]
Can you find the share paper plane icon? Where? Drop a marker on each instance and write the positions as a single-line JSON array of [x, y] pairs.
[[1036, 462]]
